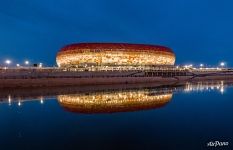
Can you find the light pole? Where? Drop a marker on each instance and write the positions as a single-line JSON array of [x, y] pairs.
[[26, 62], [8, 62], [222, 64], [40, 65]]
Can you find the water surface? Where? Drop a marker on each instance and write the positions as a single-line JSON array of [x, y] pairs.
[[117, 117]]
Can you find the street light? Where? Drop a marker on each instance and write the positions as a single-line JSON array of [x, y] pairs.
[[201, 65], [17, 65], [222, 64], [40, 65], [26, 62], [8, 61]]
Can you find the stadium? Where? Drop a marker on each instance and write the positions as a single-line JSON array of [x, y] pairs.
[[100, 55], [109, 63]]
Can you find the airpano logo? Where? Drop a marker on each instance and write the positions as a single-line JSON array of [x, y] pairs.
[[217, 144]]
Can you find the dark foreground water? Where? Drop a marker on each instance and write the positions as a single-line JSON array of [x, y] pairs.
[[186, 117]]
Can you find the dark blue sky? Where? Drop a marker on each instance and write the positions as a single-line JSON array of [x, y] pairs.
[[198, 31]]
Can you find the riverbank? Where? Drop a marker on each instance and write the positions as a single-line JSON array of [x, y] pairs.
[[57, 77]]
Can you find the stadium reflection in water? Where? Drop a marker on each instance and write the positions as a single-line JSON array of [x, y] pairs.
[[114, 101], [131, 99], [108, 99]]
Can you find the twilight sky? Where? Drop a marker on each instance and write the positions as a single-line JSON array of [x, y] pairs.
[[199, 31]]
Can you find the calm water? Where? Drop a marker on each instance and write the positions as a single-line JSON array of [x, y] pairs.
[[177, 117]]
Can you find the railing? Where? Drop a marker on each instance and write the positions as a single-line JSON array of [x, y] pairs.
[[114, 68], [125, 71]]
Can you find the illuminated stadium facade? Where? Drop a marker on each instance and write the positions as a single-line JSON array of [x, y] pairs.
[[99, 55]]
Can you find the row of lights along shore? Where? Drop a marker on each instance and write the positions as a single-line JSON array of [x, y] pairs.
[[202, 66], [26, 63], [19, 103]]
